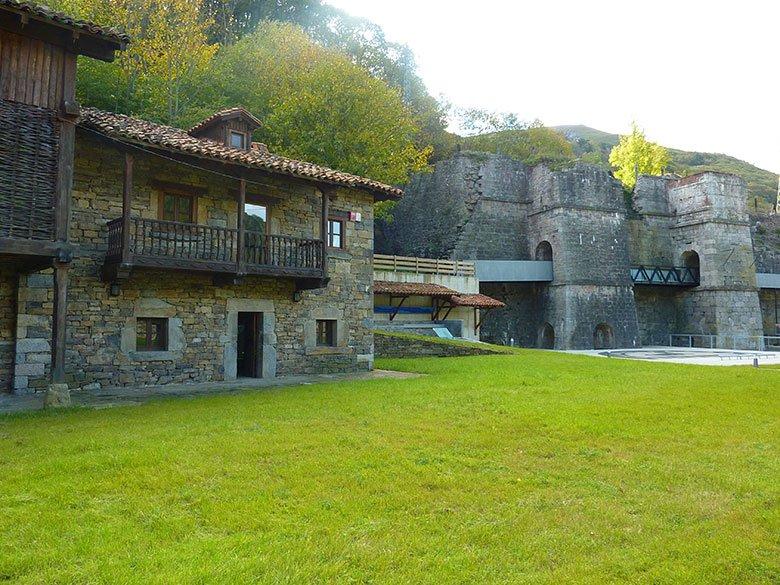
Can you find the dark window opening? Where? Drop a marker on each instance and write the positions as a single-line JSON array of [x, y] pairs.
[[335, 233], [177, 207], [326, 333], [151, 334], [238, 140]]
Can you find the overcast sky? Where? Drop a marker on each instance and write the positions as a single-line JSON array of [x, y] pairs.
[[696, 75]]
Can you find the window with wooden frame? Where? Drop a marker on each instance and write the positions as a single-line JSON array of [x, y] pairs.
[[177, 207], [151, 334], [326, 333], [237, 139], [335, 233]]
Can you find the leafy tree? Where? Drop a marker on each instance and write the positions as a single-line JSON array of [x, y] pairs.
[[635, 155], [532, 144], [159, 73], [316, 104]]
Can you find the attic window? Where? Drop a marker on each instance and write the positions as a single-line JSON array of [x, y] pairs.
[[238, 139]]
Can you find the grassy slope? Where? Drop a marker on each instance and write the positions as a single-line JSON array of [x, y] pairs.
[[535, 467], [761, 183]]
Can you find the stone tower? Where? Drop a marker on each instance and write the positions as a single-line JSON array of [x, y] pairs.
[[578, 217], [710, 227]]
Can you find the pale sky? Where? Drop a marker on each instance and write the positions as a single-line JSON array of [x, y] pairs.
[[696, 75]]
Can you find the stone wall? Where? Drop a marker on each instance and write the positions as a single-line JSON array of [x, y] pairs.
[[471, 207], [657, 313], [403, 346], [101, 327], [770, 311], [518, 323]]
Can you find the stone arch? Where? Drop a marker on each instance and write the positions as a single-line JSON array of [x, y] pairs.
[[546, 337], [544, 251], [603, 336], [690, 259]]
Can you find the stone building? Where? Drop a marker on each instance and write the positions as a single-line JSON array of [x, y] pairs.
[[676, 258], [191, 256]]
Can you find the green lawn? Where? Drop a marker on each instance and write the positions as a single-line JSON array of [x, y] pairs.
[[529, 468]]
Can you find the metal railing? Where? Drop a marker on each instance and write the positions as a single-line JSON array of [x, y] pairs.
[[665, 275], [423, 265], [747, 342]]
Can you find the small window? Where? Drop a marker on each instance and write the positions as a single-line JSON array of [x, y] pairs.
[[238, 140], [326, 333], [176, 207], [335, 233], [151, 334]]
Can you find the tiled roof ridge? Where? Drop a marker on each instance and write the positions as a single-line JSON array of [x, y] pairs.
[[124, 127], [224, 112], [43, 11]]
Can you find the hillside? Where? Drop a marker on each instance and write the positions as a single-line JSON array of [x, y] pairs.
[[762, 185]]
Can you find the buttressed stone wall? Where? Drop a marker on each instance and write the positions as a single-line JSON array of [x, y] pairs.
[[479, 206]]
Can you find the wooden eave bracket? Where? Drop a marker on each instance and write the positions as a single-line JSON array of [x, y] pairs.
[[397, 308]]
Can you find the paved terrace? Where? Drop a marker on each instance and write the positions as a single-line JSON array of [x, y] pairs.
[[690, 355], [122, 396]]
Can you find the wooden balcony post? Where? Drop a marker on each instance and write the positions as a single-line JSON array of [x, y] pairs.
[[240, 259], [324, 230], [127, 191]]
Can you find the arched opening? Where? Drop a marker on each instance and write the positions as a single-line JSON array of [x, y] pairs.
[[546, 337], [603, 337], [691, 272], [690, 259], [544, 251]]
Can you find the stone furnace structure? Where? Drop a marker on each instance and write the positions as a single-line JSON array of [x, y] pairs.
[[674, 258]]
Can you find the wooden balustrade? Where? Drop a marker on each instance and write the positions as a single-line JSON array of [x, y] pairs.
[[155, 242]]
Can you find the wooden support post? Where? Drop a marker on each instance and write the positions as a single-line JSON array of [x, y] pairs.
[[127, 192], [58, 393], [240, 259], [324, 230]]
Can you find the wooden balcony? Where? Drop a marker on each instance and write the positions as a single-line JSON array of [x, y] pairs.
[[153, 243]]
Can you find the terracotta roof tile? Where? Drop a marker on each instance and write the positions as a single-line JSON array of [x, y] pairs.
[[479, 301], [422, 289], [135, 130], [44, 12]]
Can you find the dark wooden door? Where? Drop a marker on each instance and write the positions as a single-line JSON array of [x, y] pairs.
[[250, 345]]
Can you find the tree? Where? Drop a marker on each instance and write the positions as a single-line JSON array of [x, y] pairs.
[[317, 105], [530, 143], [635, 155], [159, 74]]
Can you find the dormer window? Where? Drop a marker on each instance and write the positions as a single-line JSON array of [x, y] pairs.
[[238, 140], [233, 128]]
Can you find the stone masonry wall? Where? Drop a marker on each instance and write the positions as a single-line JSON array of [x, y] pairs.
[[770, 311], [401, 346], [101, 339], [471, 207]]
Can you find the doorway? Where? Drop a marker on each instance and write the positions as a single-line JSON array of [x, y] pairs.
[[249, 345]]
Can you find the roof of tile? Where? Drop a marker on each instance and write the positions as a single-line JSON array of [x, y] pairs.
[[44, 12], [422, 289], [221, 115], [479, 301], [135, 130]]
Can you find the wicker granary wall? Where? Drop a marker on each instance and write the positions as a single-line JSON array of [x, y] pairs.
[[29, 138]]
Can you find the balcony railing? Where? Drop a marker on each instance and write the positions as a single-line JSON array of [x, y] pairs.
[[665, 276], [159, 243]]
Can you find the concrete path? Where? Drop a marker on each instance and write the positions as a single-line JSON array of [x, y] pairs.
[[108, 397], [691, 355]]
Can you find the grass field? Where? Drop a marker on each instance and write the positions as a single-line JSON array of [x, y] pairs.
[[527, 468]]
